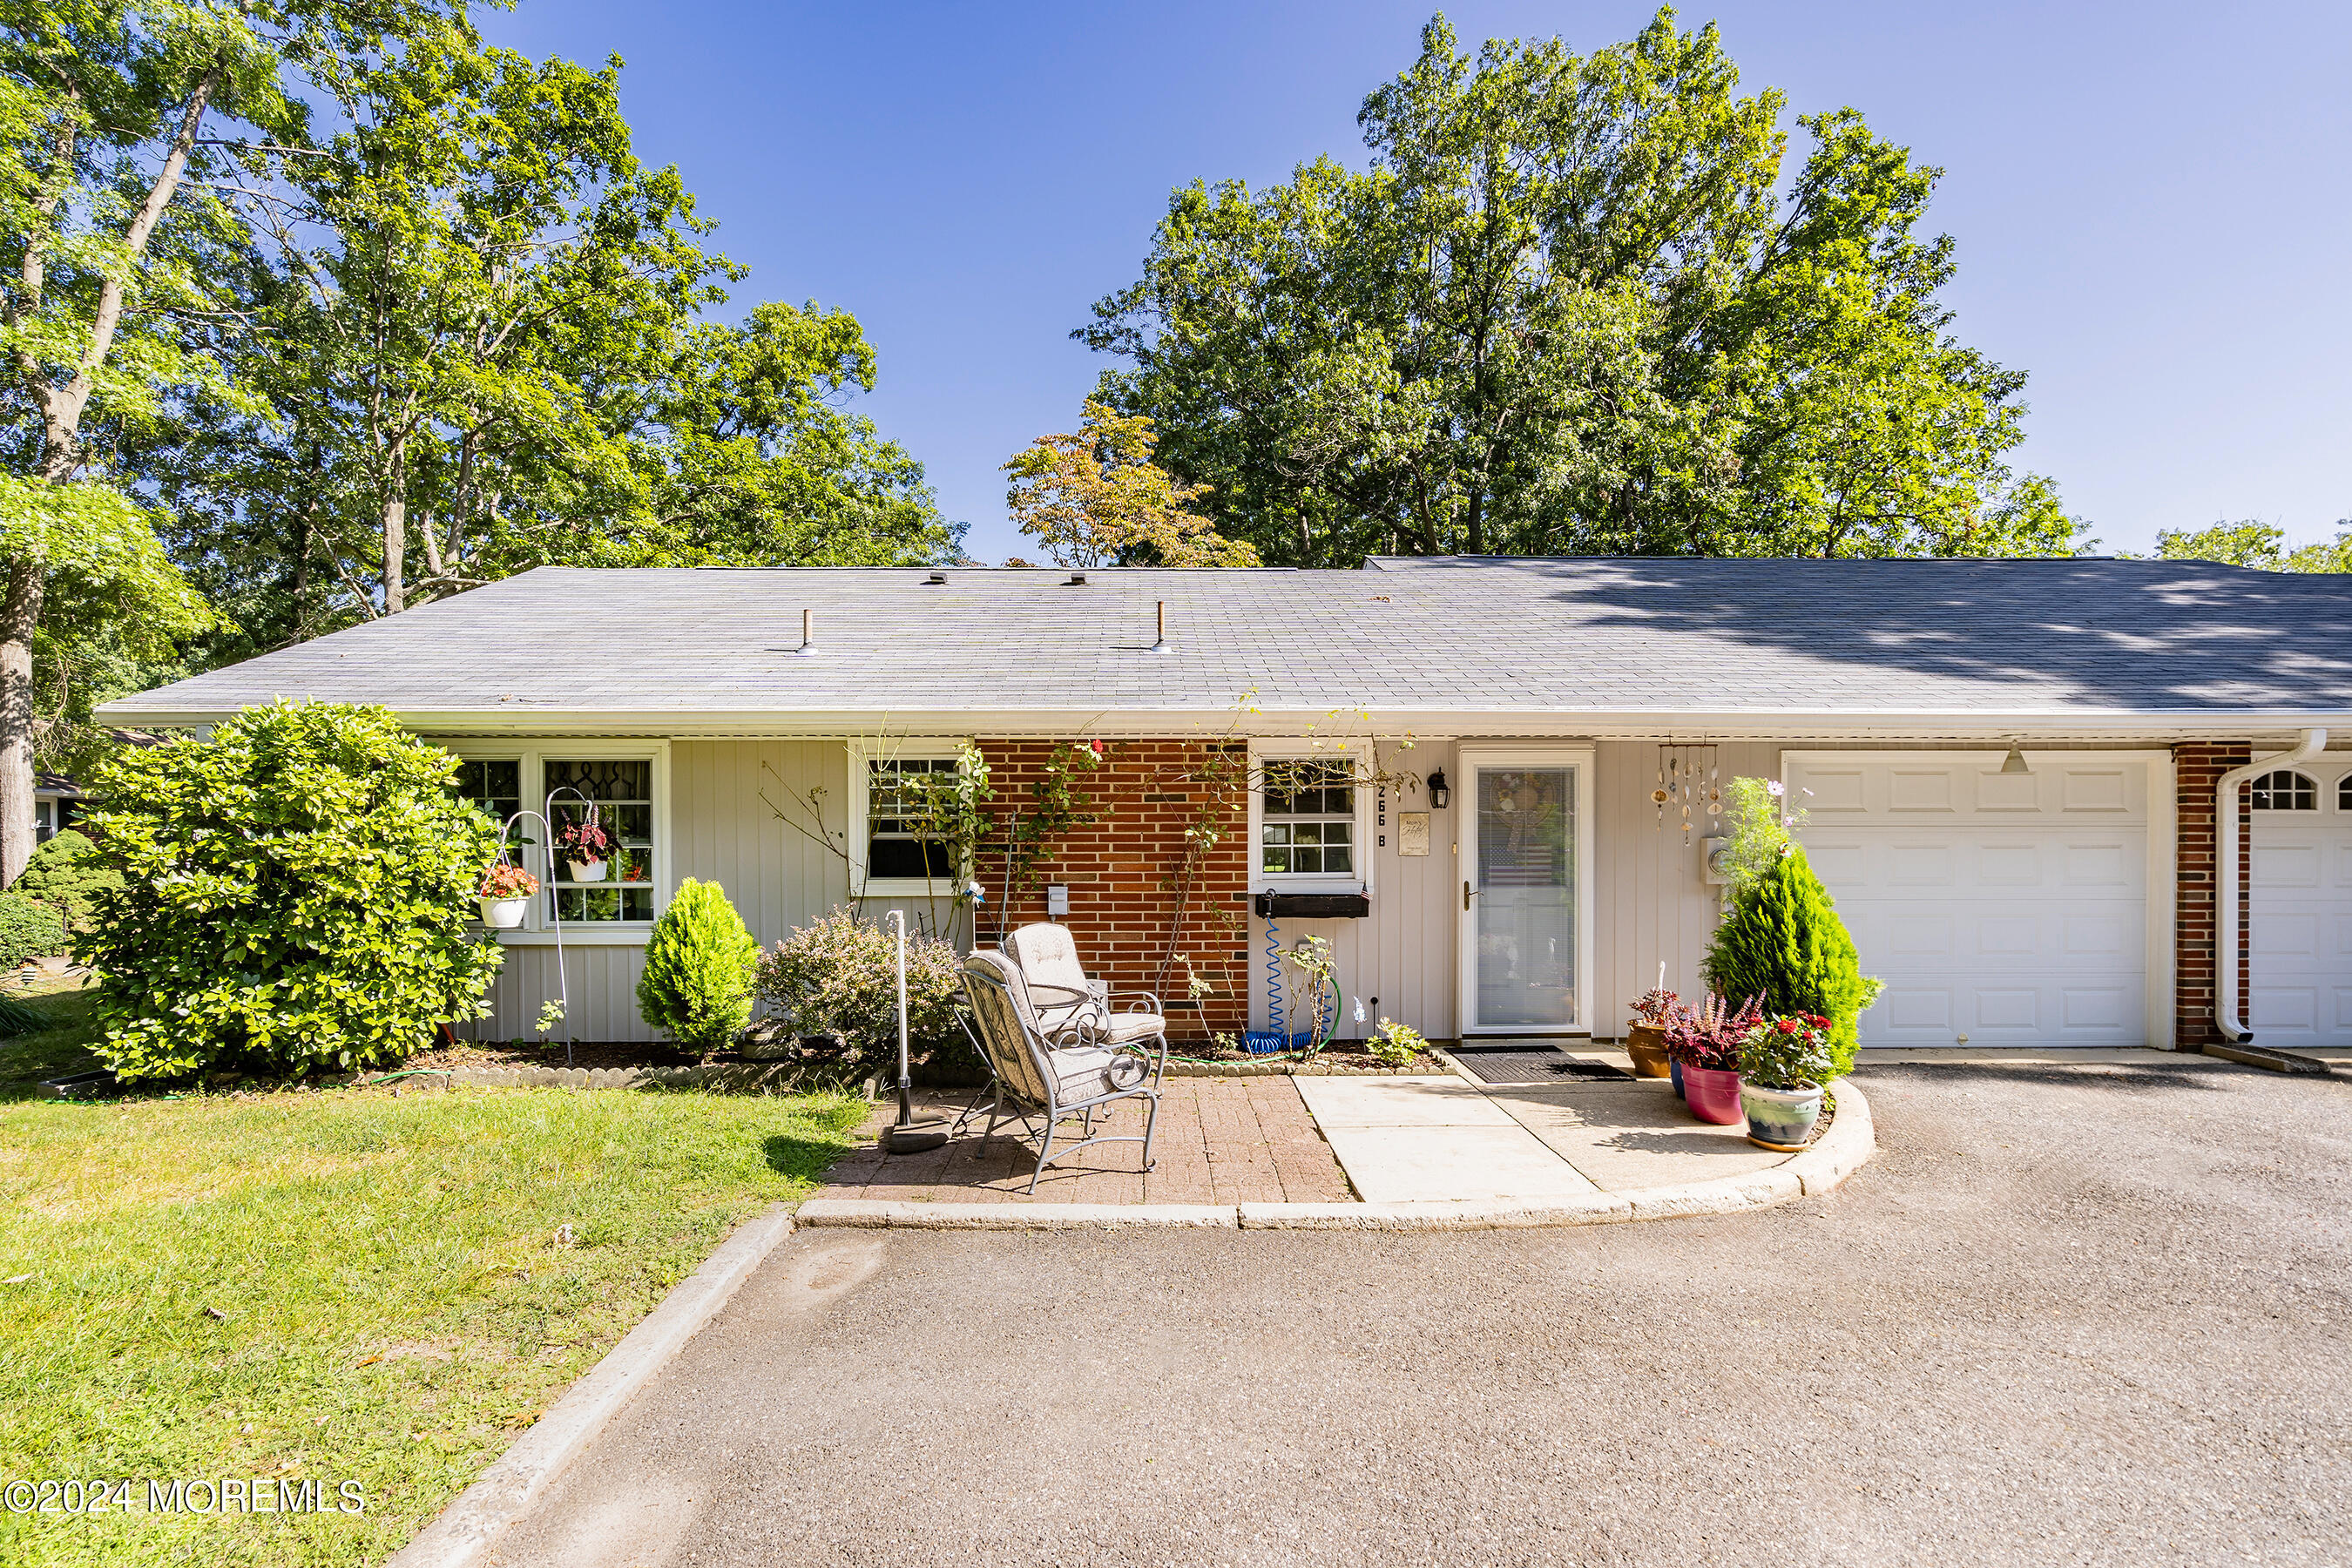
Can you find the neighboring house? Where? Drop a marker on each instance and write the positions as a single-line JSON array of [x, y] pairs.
[[2012, 768], [56, 805]]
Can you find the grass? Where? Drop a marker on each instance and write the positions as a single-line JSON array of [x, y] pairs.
[[336, 1285]]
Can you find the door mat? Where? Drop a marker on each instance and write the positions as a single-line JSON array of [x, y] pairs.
[[1531, 1064]]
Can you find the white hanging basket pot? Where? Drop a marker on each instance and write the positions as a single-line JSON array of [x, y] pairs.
[[503, 914], [586, 870]]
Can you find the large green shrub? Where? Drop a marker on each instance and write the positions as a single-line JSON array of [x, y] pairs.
[[834, 975], [1784, 941], [296, 892], [29, 928], [68, 874], [698, 964]]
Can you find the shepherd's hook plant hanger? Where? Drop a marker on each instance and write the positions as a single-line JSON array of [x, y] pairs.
[[547, 885]]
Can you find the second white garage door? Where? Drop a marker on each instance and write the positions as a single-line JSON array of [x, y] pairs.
[[2001, 908], [2301, 910]]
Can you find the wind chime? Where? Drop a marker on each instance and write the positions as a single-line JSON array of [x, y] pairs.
[[1690, 788]]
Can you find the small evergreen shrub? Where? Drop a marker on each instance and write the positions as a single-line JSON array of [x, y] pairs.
[[29, 928], [68, 874], [296, 893], [1783, 941], [835, 976], [699, 966]]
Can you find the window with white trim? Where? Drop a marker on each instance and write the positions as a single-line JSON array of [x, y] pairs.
[[1307, 825], [627, 782], [894, 856], [622, 789], [2344, 793], [2284, 790]]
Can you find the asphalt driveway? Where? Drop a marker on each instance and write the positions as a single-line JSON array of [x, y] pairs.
[[2088, 1314]]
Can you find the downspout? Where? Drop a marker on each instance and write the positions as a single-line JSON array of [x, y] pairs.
[[2225, 868]]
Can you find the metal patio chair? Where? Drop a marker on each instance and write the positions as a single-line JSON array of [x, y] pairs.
[[1066, 999], [1041, 1082]]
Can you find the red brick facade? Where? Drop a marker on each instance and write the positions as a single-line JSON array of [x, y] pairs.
[[2198, 768], [1122, 868]]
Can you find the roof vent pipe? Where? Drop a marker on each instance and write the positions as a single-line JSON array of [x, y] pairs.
[[2225, 872], [808, 632], [1160, 641]]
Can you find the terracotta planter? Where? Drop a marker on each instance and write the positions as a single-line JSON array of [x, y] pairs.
[[586, 870], [1647, 1046], [503, 914], [1779, 1119], [1713, 1094]]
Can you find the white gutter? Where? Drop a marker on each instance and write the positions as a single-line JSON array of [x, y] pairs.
[[2225, 868]]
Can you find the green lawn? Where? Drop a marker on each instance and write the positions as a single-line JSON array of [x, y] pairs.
[[396, 1304]]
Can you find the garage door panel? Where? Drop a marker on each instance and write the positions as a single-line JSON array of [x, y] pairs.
[[2300, 919], [2009, 909]]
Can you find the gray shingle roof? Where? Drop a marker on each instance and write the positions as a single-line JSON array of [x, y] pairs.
[[1562, 636]]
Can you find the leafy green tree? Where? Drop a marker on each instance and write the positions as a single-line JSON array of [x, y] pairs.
[[1576, 304], [698, 966], [2258, 545], [1097, 498], [109, 201], [480, 348], [296, 895], [1784, 941]]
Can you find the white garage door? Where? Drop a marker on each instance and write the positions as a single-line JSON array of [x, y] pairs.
[[2301, 907], [2001, 908]]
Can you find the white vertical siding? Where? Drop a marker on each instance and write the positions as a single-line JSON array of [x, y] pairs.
[[1651, 903], [1405, 951]]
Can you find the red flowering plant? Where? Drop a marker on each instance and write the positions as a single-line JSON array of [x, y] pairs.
[[504, 881], [1653, 1008], [1710, 1036], [584, 838], [1788, 1052]]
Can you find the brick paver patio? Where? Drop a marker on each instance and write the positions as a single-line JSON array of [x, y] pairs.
[[1220, 1140]]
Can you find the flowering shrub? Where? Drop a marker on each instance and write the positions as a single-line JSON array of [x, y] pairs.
[[836, 976], [1654, 1007], [1710, 1036], [584, 838], [503, 881], [1788, 1051]]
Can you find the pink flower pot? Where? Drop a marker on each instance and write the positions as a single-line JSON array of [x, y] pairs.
[[1713, 1094]]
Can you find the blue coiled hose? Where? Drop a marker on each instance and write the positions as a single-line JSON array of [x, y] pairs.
[[1274, 981]]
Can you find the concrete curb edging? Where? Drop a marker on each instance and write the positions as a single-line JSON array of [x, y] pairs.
[[876, 1213], [471, 1525], [1848, 1144]]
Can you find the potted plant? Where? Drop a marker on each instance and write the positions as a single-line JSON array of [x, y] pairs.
[[1706, 1044], [505, 893], [1646, 1035], [583, 844], [1783, 1063]]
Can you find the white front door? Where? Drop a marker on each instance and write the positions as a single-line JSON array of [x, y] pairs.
[[1527, 842], [2300, 913], [2001, 908]]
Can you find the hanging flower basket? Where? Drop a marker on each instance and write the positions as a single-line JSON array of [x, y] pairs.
[[505, 894], [584, 844]]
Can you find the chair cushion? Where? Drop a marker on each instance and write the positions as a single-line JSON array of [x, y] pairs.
[[1125, 1027], [1048, 957], [1086, 1071]]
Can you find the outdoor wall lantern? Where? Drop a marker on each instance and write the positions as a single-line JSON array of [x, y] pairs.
[[1438, 796]]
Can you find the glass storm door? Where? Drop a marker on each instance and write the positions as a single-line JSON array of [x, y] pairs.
[[1522, 937]]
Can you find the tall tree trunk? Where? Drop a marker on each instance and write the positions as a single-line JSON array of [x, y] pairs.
[[396, 533], [20, 612]]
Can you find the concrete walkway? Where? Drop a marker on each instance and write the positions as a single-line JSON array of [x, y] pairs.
[[1445, 1140]]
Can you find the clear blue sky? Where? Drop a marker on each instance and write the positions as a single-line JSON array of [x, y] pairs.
[[2153, 202]]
